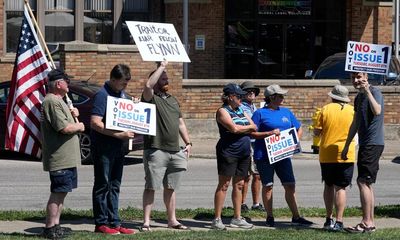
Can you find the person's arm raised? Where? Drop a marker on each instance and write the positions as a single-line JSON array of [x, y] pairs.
[[148, 91]]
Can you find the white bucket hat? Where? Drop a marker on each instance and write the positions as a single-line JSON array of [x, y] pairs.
[[340, 93]]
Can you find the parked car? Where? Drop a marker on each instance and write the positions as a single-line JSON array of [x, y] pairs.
[[333, 68], [81, 94]]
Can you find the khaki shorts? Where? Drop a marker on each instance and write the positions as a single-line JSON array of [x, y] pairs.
[[163, 167]]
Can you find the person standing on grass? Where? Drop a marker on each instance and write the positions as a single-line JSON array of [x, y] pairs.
[[233, 155], [249, 108], [368, 122], [332, 126], [60, 150], [164, 160], [271, 120], [108, 155]]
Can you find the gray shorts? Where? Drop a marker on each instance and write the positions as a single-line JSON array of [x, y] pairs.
[[163, 167]]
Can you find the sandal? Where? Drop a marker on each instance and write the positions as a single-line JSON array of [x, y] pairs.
[[145, 228], [179, 227], [361, 228]]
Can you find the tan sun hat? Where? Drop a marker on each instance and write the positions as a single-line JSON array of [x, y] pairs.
[[340, 93], [274, 89]]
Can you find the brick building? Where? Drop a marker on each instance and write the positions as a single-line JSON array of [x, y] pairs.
[[273, 40]]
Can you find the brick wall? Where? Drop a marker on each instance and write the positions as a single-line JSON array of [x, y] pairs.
[[85, 60], [369, 23], [204, 19], [202, 97]]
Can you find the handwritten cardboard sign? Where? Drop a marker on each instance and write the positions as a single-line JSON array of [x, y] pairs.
[[124, 115], [282, 146], [157, 41], [369, 58]]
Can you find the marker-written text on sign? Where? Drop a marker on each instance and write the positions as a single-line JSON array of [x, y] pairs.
[[157, 41]]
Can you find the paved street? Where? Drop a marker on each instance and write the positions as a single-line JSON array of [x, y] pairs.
[[23, 185]]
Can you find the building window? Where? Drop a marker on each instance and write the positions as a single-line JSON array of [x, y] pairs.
[[14, 11], [59, 20], [133, 10], [98, 24]]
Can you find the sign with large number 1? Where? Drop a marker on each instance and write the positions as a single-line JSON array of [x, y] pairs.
[[124, 114], [283, 145]]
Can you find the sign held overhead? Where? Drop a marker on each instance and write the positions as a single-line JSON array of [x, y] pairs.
[[369, 58], [157, 41]]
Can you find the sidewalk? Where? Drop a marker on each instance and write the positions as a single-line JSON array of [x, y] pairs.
[[30, 227]]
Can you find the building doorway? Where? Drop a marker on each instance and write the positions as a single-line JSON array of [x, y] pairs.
[[283, 50]]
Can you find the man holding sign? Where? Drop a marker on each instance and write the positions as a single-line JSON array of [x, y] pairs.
[[270, 120], [108, 156], [368, 122], [164, 161]]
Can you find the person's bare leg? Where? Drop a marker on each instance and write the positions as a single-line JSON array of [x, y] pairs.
[[340, 202], [148, 200], [290, 197], [237, 183], [267, 199], [170, 204], [256, 188], [54, 209], [329, 195], [245, 188], [367, 203], [220, 194]]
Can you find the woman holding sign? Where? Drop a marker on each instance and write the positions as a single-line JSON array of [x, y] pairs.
[[233, 155], [271, 120]]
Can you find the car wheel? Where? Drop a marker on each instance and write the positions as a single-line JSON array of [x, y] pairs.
[[85, 142]]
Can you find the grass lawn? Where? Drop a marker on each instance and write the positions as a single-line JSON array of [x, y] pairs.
[[207, 214]]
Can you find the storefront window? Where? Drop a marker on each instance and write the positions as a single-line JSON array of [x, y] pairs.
[[59, 20], [14, 15], [133, 10], [97, 21]]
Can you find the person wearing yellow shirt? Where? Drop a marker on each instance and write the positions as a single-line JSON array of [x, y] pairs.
[[333, 126]]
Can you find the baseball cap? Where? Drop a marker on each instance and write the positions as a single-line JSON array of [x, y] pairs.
[[57, 74], [274, 89], [233, 88]]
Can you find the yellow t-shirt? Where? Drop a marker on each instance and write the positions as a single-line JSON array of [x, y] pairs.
[[334, 121]]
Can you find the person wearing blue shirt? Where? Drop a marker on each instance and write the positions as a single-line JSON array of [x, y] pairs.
[[249, 108], [270, 120]]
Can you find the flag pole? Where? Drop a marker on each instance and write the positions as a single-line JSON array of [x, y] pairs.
[[69, 102], [40, 34]]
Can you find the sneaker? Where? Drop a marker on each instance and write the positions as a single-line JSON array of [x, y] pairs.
[[240, 223], [123, 230], [258, 207], [244, 207], [52, 233], [270, 221], [329, 223], [106, 230], [301, 221], [337, 227], [218, 224]]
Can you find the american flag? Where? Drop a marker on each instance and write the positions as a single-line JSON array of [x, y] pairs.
[[26, 93]]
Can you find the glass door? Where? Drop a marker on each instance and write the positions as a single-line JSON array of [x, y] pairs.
[[283, 50]]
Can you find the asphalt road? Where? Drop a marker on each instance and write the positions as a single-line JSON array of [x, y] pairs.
[[23, 185]]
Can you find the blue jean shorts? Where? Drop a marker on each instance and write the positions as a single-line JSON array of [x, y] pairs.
[[283, 169], [63, 180]]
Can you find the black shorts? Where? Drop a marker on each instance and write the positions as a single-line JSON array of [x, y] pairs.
[[63, 180], [368, 163], [231, 166], [338, 174]]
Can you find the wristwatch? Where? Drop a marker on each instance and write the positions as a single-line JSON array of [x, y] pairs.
[[189, 143]]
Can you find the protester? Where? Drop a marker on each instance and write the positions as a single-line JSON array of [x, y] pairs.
[[368, 122], [60, 150], [164, 160], [332, 125], [233, 155], [249, 108], [108, 155], [270, 120]]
